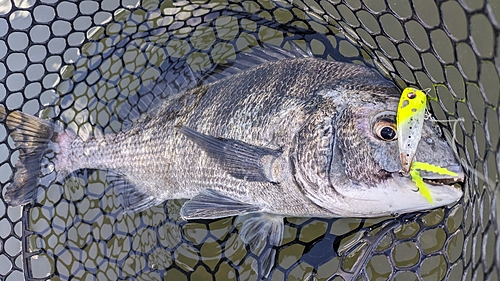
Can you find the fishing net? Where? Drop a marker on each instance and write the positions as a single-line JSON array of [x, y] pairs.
[[96, 66]]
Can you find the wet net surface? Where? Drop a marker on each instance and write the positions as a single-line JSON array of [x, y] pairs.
[[95, 66]]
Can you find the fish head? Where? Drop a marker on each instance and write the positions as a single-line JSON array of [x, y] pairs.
[[365, 177]]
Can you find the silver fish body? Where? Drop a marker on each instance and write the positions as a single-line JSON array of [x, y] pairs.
[[274, 143], [281, 116], [293, 137]]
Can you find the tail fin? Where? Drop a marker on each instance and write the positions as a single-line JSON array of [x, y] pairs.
[[31, 136]]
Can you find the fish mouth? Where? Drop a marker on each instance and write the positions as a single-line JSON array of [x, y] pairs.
[[437, 179], [457, 182]]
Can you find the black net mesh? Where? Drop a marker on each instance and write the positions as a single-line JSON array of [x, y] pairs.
[[94, 66]]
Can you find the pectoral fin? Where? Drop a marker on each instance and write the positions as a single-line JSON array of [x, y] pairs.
[[210, 204], [262, 233], [241, 160]]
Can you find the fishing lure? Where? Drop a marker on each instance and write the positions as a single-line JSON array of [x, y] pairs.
[[422, 187], [419, 181], [410, 121]]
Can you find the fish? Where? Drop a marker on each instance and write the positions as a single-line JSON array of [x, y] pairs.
[[284, 134]]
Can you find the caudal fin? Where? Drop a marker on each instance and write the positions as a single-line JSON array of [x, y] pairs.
[[31, 136]]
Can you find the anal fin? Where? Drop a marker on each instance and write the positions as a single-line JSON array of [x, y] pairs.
[[210, 204], [131, 198]]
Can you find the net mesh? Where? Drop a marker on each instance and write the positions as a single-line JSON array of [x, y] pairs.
[[95, 66]]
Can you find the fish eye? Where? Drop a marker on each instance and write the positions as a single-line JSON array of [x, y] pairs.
[[385, 130]]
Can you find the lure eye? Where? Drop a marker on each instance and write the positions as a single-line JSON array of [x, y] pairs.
[[385, 130]]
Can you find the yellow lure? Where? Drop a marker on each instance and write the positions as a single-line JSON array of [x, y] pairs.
[[419, 181], [433, 168], [422, 187], [410, 121]]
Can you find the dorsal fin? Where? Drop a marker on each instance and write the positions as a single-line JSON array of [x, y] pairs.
[[178, 77], [149, 96], [258, 56]]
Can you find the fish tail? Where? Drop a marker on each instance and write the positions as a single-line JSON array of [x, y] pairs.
[[31, 136]]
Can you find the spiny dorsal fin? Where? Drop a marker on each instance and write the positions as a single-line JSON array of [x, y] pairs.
[[258, 56], [241, 160], [178, 77]]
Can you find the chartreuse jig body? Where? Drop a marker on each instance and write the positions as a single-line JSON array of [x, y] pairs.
[[410, 120]]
